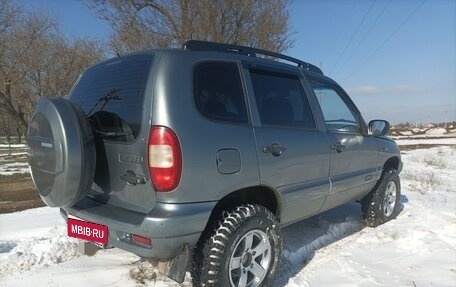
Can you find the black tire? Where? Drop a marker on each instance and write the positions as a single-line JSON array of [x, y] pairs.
[[226, 245], [380, 205], [61, 152]]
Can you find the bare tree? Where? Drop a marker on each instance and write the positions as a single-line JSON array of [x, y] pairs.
[[144, 24], [53, 64], [36, 61], [5, 126], [17, 35]]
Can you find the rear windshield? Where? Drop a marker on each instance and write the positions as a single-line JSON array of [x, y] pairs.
[[112, 94]]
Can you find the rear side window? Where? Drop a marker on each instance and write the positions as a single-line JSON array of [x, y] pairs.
[[112, 96], [218, 91], [281, 100]]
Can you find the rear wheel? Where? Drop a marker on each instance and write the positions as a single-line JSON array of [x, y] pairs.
[[244, 249], [383, 202]]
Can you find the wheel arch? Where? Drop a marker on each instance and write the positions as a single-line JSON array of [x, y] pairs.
[[392, 163], [261, 195]]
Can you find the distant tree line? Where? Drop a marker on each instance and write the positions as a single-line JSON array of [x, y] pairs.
[[37, 60]]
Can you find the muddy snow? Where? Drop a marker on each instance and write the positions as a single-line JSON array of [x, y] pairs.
[[331, 249], [13, 159]]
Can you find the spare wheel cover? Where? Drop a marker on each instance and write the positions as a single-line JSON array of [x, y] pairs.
[[62, 152]]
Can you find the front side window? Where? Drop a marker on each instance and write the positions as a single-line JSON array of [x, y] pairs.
[[281, 99], [218, 92], [338, 116]]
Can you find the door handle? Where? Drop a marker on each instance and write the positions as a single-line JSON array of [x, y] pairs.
[[275, 149], [131, 178], [339, 147]]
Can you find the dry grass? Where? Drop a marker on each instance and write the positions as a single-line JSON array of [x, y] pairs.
[[436, 162], [144, 272], [422, 182]]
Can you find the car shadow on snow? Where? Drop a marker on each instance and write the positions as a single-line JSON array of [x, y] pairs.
[[303, 239], [404, 199]]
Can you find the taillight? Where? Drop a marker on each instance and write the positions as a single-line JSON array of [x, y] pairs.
[[165, 158], [138, 239]]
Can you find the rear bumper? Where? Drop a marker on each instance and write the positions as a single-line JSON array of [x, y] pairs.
[[170, 226]]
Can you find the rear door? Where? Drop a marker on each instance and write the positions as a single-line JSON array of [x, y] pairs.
[[293, 153], [353, 170], [113, 96]]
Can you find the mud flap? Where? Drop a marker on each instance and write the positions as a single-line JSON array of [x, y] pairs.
[[87, 248], [175, 268]]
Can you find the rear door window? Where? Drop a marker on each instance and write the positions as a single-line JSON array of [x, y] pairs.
[[218, 91], [112, 96], [281, 99]]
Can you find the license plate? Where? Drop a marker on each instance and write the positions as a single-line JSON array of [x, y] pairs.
[[88, 231]]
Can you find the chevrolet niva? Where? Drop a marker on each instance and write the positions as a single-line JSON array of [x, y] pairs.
[[197, 157]]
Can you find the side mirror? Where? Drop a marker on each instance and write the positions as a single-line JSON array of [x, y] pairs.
[[378, 127]]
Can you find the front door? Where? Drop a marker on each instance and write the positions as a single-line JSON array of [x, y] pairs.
[[353, 170]]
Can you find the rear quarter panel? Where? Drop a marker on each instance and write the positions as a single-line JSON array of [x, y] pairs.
[[200, 138]]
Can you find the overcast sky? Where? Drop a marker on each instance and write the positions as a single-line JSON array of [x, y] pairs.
[[396, 59]]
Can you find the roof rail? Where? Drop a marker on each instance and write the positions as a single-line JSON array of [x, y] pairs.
[[196, 45]]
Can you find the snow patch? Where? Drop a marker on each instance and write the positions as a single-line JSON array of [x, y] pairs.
[[13, 145], [433, 141], [14, 168], [25, 254], [406, 133], [436, 132]]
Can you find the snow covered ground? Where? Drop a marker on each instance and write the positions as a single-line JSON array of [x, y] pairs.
[[14, 167], [331, 249], [13, 159], [428, 141]]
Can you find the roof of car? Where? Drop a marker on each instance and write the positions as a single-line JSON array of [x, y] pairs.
[[242, 51], [195, 45]]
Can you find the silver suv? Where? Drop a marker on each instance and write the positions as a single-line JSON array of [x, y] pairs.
[[198, 156]]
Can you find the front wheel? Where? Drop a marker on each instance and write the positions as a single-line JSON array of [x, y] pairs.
[[383, 202], [244, 249]]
